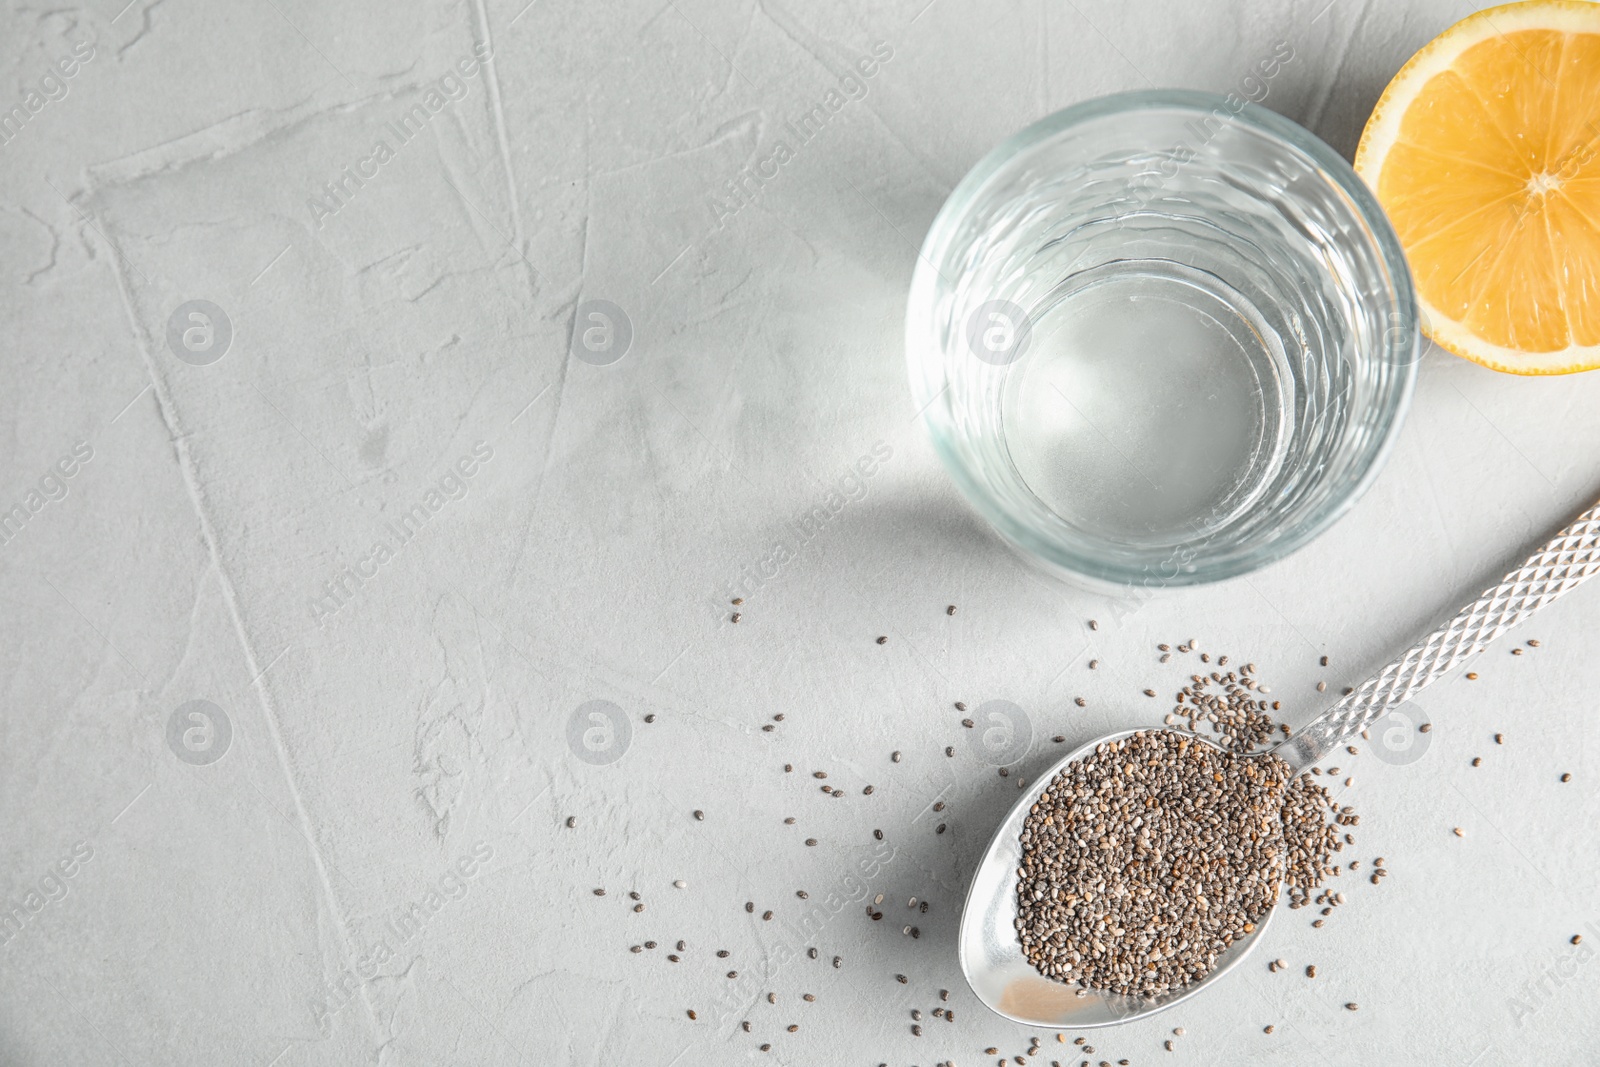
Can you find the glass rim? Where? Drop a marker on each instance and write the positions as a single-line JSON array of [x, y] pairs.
[[1056, 552]]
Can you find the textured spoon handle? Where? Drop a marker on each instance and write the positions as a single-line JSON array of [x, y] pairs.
[[1564, 561]]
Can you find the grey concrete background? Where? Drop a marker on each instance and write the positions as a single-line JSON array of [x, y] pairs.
[[357, 852]]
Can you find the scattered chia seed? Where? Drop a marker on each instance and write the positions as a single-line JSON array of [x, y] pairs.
[[1235, 713], [599, 892], [572, 820], [951, 610], [699, 815], [884, 640]]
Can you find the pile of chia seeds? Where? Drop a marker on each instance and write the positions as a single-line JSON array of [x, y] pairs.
[[1144, 861]]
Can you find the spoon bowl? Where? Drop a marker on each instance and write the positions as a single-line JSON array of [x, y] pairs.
[[991, 953]]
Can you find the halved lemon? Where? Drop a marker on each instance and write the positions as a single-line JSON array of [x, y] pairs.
[[1485, 152]]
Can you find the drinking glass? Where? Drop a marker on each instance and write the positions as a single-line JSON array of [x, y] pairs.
[[1161, 338]]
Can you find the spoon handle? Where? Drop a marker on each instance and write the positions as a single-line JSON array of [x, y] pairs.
[[1563, 562]]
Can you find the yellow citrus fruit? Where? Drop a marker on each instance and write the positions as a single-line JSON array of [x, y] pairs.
[[1485, 152]]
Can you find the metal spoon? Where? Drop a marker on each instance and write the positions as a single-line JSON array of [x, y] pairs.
[[990, 954]]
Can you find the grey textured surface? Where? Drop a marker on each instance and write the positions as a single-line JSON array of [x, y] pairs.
[[1550, 571], [251, 908]]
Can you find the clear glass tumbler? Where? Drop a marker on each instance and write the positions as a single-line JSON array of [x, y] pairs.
[[1160, 339]]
